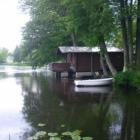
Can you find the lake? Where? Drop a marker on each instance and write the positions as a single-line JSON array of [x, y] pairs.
[[29, 97]]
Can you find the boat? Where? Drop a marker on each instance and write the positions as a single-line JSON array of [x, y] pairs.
[[92, 90], [94, 82]]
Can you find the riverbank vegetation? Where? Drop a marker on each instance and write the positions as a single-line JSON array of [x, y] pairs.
[[81, 23], [128, 79]]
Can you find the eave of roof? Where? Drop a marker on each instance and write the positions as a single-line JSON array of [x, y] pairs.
[[73, 49]]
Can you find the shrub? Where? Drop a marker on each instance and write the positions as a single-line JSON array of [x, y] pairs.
[[128, 79]]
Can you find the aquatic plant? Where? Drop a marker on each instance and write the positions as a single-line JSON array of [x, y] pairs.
[[38, 135], [67, 135]]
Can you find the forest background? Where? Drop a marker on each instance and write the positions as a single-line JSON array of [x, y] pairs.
[[91, 23]]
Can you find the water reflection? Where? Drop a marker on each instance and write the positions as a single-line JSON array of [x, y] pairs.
[[101, 113], [131, 115], [56, 102], [12, 123]]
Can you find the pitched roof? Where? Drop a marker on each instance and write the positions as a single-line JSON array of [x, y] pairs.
[[73, 49]]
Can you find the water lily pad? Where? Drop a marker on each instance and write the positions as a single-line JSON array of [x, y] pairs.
[[67, 133], [55, 138], [62, 125], [41, 134], [41, 124], [76, 132], [52, 134], [75, 137], [87, 138]]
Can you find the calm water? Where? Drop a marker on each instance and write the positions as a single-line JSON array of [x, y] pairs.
[[28, 98]]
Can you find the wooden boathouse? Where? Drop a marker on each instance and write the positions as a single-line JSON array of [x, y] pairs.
[[85, 60]]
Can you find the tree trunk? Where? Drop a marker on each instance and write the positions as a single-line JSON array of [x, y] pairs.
[[138, 36], [130, 34], [105, 73], [124, 35], [73, 38], [104, 52]]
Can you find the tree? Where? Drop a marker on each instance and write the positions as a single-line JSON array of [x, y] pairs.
[[3, 55], [77, 22], [17, 55], [92, 24], [126, 26], [45, 32], [128, 12], [138, 36]]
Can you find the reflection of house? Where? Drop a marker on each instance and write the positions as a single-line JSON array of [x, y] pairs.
[[86, 59]]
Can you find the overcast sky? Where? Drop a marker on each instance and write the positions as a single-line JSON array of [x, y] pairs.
[[12, 19]]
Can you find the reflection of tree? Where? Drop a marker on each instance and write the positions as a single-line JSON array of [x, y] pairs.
[[54, 103], [51, 105], [102, 119], [131, 116], [87, 112], [41, 106]]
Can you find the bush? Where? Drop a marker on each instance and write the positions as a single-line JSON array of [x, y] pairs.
[[128, 79]]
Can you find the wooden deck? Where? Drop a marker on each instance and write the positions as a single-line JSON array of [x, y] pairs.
[[60, 67]]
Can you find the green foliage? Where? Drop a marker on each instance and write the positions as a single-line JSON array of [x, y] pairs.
[[3, 55], [17, 55], [90, 19], [73, 22], [128, 79], [64, 22], [44, 33], [69, 135]]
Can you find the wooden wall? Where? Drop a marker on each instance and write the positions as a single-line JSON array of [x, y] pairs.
[[85, 62]]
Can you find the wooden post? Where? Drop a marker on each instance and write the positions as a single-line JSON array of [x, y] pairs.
[[58, 75]]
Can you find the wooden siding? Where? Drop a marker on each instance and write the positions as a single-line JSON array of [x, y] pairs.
[[96, 62], [82, 62]]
